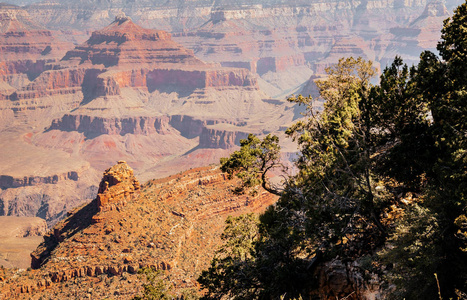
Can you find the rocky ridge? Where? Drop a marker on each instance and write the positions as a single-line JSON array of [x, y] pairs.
[[172, 224]]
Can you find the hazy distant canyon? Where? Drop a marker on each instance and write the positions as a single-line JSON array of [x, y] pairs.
[[169, 86]]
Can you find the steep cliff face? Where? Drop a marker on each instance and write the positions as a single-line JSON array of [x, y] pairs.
[[50, 83], [94, 126], [172, 224], [219, 138], [27, 52], [7, 182]]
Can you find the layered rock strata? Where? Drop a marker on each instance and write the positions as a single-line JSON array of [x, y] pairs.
[[172, 224], [118, 186]]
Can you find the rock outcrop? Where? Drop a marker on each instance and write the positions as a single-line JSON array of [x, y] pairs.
[[118, 186], [171, 224], [218, 138], [93, 126]]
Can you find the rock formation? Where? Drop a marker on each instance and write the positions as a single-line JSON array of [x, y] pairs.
[[129, 91], [173, 224], [284, 42], [123, 42], [118, 186]]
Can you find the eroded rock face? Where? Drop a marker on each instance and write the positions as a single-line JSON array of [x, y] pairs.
[[25, 48], [135, 92], [93, 126], [118, 186], [218, 138], [123, 42], [174, 226], [20, 38]]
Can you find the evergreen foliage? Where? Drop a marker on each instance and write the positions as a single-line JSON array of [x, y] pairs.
[[231, 272], [252, 162], [400, 145], [155, 288]]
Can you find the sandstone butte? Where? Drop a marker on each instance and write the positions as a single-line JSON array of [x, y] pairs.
[[172, 224], [126, 93]]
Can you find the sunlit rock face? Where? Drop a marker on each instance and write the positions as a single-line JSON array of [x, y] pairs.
[[172, 224]]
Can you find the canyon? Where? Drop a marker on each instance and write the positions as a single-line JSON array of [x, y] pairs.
[[167, 87], [126, 93], [78, 94]]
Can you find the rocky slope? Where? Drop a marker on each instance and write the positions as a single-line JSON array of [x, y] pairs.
[[172, 224]]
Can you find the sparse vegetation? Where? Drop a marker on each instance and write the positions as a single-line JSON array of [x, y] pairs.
[[156, 287]]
